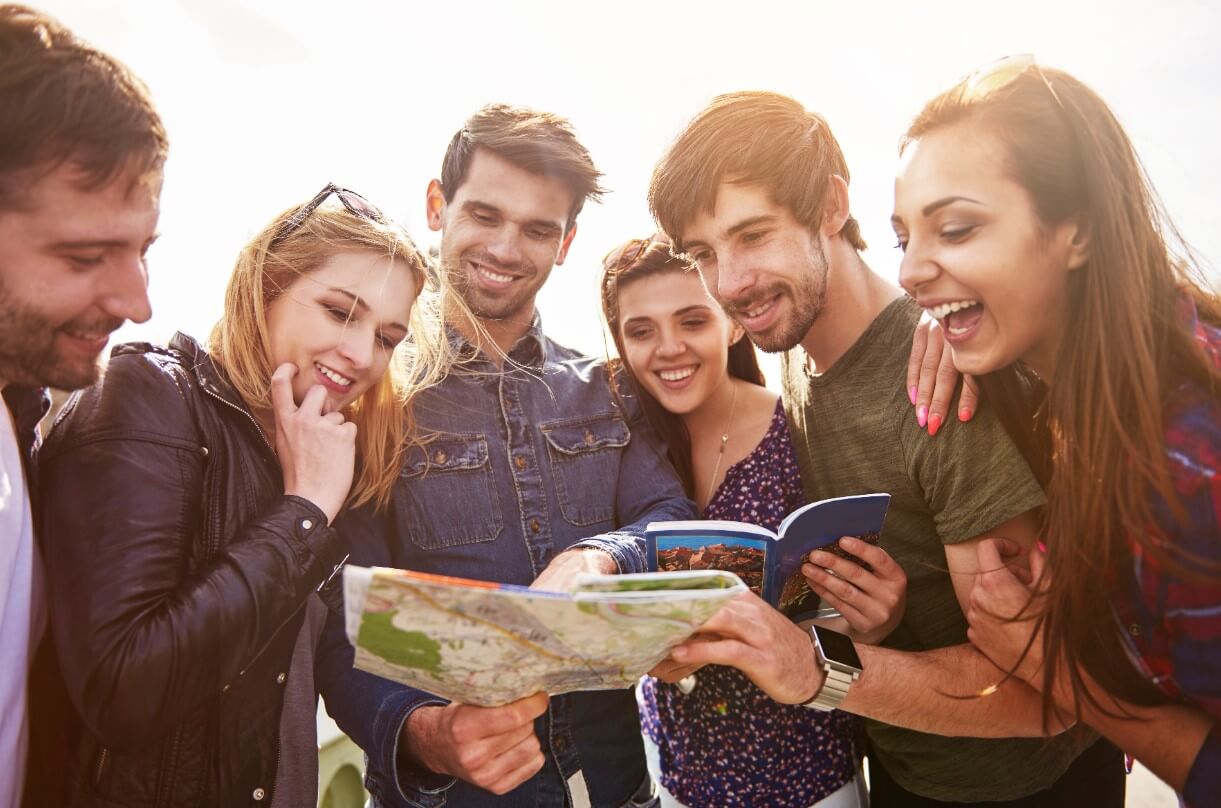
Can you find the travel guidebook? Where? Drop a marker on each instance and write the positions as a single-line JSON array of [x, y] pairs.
[[488, 644], [769, 563]]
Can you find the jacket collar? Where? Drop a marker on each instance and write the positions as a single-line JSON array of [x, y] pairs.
[[530, 351], [207, 373], [28, 406]]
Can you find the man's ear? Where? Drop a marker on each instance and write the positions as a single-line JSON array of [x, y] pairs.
[[434, 202], [835, 206], [565, 244], [1078, 243]]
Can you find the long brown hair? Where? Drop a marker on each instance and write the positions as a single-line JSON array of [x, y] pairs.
[[1100, 419], [648, 258], [268, 265]]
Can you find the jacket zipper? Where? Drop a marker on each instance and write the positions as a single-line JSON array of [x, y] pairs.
[[100, 769]]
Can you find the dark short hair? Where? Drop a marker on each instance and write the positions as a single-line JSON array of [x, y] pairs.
[[537, 142], [749, 138], [61, 99]]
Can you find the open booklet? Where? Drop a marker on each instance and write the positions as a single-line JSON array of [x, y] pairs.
[[769, 562], [488, 644]]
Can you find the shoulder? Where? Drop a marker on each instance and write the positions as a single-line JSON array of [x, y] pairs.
[[141, 394]]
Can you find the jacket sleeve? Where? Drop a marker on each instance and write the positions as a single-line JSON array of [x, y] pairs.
[[142, 644], [648, 490], [372, 710]]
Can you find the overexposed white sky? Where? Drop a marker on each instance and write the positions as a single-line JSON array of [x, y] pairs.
[[267, 101]]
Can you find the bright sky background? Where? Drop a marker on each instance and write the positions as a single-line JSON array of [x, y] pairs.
[[267, 101]]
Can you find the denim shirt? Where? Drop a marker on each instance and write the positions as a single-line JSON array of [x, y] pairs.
[[526, 462]]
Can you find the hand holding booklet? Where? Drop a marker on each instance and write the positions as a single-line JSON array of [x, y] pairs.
[[769, 562], [488, 644]]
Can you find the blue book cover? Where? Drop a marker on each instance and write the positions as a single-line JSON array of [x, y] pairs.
[[769, 563]]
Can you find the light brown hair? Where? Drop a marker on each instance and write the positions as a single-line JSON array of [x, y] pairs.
[[750, 138], [268, 265], [1100, 420], [538, 142], [63, 100]]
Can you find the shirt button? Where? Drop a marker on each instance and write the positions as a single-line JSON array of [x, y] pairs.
[[535, 527], [280, 679], [307, 524], [259, 794], [589, 438], [1134, 630], [520, 462], [439, 457]]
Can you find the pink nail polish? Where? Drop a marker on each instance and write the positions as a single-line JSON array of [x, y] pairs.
[[911, 393], [965, 414], [922, 416], [934, 423]]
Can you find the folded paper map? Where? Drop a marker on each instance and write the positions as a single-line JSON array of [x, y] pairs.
[[488, 644]]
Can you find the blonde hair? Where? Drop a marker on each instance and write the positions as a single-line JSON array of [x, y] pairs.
[[268, 265]]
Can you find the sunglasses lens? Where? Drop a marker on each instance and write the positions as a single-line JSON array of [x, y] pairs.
[[359, 206]]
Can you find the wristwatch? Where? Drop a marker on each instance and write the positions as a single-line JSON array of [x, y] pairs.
[[837, 656]]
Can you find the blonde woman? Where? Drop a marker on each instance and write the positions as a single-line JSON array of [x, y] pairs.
[[188, 499]]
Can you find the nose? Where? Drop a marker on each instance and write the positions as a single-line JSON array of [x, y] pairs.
[[505, 246], [671, 344], [734, 279], [125, 292], [916, 269], [358, 346]]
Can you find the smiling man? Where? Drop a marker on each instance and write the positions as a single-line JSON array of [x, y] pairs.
[[535, 473], [81, 152], [755, 192]]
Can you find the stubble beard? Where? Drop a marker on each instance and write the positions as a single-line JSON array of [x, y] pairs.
[[808, 297], [27, 348], [483, 305]]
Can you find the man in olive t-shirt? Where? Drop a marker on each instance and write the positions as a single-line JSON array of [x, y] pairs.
[[755, 192]]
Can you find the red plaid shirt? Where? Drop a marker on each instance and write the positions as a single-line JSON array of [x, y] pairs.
[[1172, 624]]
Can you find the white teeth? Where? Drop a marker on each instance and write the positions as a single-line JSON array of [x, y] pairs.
[[752, 313], [943, 310], [343, 381], [676, 375], [495, 276]]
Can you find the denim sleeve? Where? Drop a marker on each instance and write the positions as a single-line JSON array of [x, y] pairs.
[[648, 490], [372, 710]]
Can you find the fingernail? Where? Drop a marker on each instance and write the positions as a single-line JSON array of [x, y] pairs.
[[848, 541], [911, 393], [934, 423], [1042, 547], [679, 653], [922, 416], [965, 414]]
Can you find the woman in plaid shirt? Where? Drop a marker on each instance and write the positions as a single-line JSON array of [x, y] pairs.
[[1031, 233]]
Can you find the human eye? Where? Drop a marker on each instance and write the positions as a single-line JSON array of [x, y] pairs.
[[699, 255], [483, 217], [387, 342], [637, 334], [753, 236], [954, 233], [694, 323], [340, 314], [83, 262]]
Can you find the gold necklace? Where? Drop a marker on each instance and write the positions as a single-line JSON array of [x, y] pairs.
[[724, 440]]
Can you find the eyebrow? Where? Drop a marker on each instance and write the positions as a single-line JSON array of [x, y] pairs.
[[745, 224], [360, 304], [678, 313]]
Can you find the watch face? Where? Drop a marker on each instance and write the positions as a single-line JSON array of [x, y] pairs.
[[837, 647]]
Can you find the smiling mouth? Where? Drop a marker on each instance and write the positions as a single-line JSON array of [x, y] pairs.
[[336, 377], [677, 374], [490, 275], [957, 316]]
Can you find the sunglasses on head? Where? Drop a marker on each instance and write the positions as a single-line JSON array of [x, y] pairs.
[[1003, 72], [355, 204]]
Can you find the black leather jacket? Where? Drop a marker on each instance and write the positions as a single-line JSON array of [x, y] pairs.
[[178, 571]]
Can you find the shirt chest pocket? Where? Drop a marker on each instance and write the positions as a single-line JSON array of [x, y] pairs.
[[447, 493], [585, 454]]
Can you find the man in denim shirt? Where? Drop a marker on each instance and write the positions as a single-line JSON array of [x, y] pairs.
[[536, 473]]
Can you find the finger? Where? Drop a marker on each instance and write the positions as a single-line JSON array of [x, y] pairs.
[[712, 652], [928, 374], [312, 401], [919, 346], [842, 590], [530, 760], [857, 619], [282, 389], [988, 555], [335, 417], [884, 565], [510, 717], [841, 568], [946, 381], [968, 402]]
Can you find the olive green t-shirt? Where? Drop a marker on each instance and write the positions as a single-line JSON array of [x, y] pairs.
[[855, 432]]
